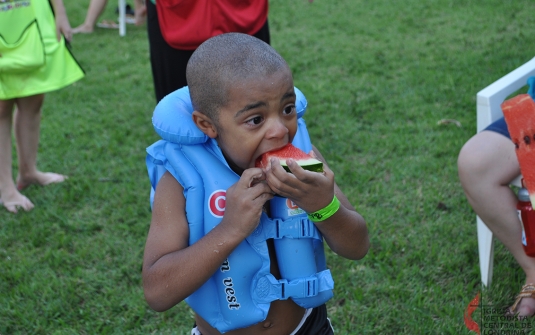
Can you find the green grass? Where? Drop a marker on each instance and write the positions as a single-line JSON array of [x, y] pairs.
[[378, 76]]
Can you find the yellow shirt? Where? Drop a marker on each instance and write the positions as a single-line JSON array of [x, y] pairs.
[[60, 67]]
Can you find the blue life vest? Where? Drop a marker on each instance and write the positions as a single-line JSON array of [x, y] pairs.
[[239, 294]]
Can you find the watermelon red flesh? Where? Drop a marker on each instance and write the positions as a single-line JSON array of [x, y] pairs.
[[303, 159], [519, 113]]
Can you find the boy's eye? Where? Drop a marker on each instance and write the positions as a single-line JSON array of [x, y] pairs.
[[255, 120], [288, 110]]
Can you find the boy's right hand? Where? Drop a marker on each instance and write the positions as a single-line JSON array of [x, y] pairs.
[[245, 201]]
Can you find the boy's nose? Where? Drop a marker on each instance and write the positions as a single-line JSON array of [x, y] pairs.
[[277, 129]]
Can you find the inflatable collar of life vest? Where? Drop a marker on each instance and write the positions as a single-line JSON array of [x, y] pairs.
[[239, 294], [173, 122]]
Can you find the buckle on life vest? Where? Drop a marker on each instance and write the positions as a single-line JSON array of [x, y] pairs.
[[268, 288], [300, 288], [295, 228]]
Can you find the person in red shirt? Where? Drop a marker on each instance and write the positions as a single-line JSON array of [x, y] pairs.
[[176, 30]]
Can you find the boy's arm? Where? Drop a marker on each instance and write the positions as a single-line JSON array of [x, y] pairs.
[[172, 270], [345, 231]]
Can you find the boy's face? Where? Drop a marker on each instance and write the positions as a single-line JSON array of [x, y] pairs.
[[259, 117]]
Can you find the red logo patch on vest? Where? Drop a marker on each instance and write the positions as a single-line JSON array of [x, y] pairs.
[[217, 203], [290, 204]]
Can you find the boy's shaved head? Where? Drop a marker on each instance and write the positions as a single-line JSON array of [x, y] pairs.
[[222, 60]]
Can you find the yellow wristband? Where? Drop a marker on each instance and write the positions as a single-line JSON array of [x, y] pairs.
[[325, 213]]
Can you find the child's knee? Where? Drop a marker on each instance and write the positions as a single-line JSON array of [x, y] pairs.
[[469, 160], [487, 155]]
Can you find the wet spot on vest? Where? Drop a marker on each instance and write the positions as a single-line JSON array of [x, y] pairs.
[[268, 324]]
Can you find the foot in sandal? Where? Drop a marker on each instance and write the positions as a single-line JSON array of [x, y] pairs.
[[108, 24], [40, 178], [524, 305]]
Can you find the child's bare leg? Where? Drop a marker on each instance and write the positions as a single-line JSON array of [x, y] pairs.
[[27, 123], [140, 11], [96, 7], [487, 164], [10, 197]]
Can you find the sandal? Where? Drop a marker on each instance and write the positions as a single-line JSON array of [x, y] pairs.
[[528, 291], [108, 24], [130, 19]]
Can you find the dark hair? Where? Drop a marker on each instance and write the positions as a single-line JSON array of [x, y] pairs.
[[220, 61]]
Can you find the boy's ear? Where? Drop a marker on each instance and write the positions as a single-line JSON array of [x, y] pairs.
[[205, 124]]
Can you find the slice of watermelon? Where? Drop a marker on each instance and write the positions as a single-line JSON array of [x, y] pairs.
[[304, 160], [519, 113]]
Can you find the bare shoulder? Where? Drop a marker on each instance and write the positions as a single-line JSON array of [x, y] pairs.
[[168, 191], [169, 228]]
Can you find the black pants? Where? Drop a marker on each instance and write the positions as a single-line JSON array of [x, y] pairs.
[[169, 64]]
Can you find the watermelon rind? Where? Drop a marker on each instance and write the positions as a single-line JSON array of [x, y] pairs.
[[309, 164], [306, 161]]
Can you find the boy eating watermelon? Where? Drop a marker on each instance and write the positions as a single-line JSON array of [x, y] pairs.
[[215, 239]]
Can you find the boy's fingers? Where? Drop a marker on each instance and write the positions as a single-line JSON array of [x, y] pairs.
[[300, 182], [257, 180], [250, 177], [252, 181], [297, 174], [265, 196], [297, 170], [261, 188]]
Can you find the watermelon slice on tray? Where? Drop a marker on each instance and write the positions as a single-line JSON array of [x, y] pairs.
[[303, 159], [519, 113]]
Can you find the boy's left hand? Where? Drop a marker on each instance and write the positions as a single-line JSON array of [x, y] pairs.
[[310, 191]]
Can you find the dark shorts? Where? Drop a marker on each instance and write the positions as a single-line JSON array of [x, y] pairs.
[[316, 323], [499, 126]]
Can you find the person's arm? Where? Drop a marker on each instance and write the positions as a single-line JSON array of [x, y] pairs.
[[62, 21], [345, 231], [172, 270], [140, 10]]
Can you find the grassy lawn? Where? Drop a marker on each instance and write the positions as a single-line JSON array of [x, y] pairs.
[[378, 75]]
